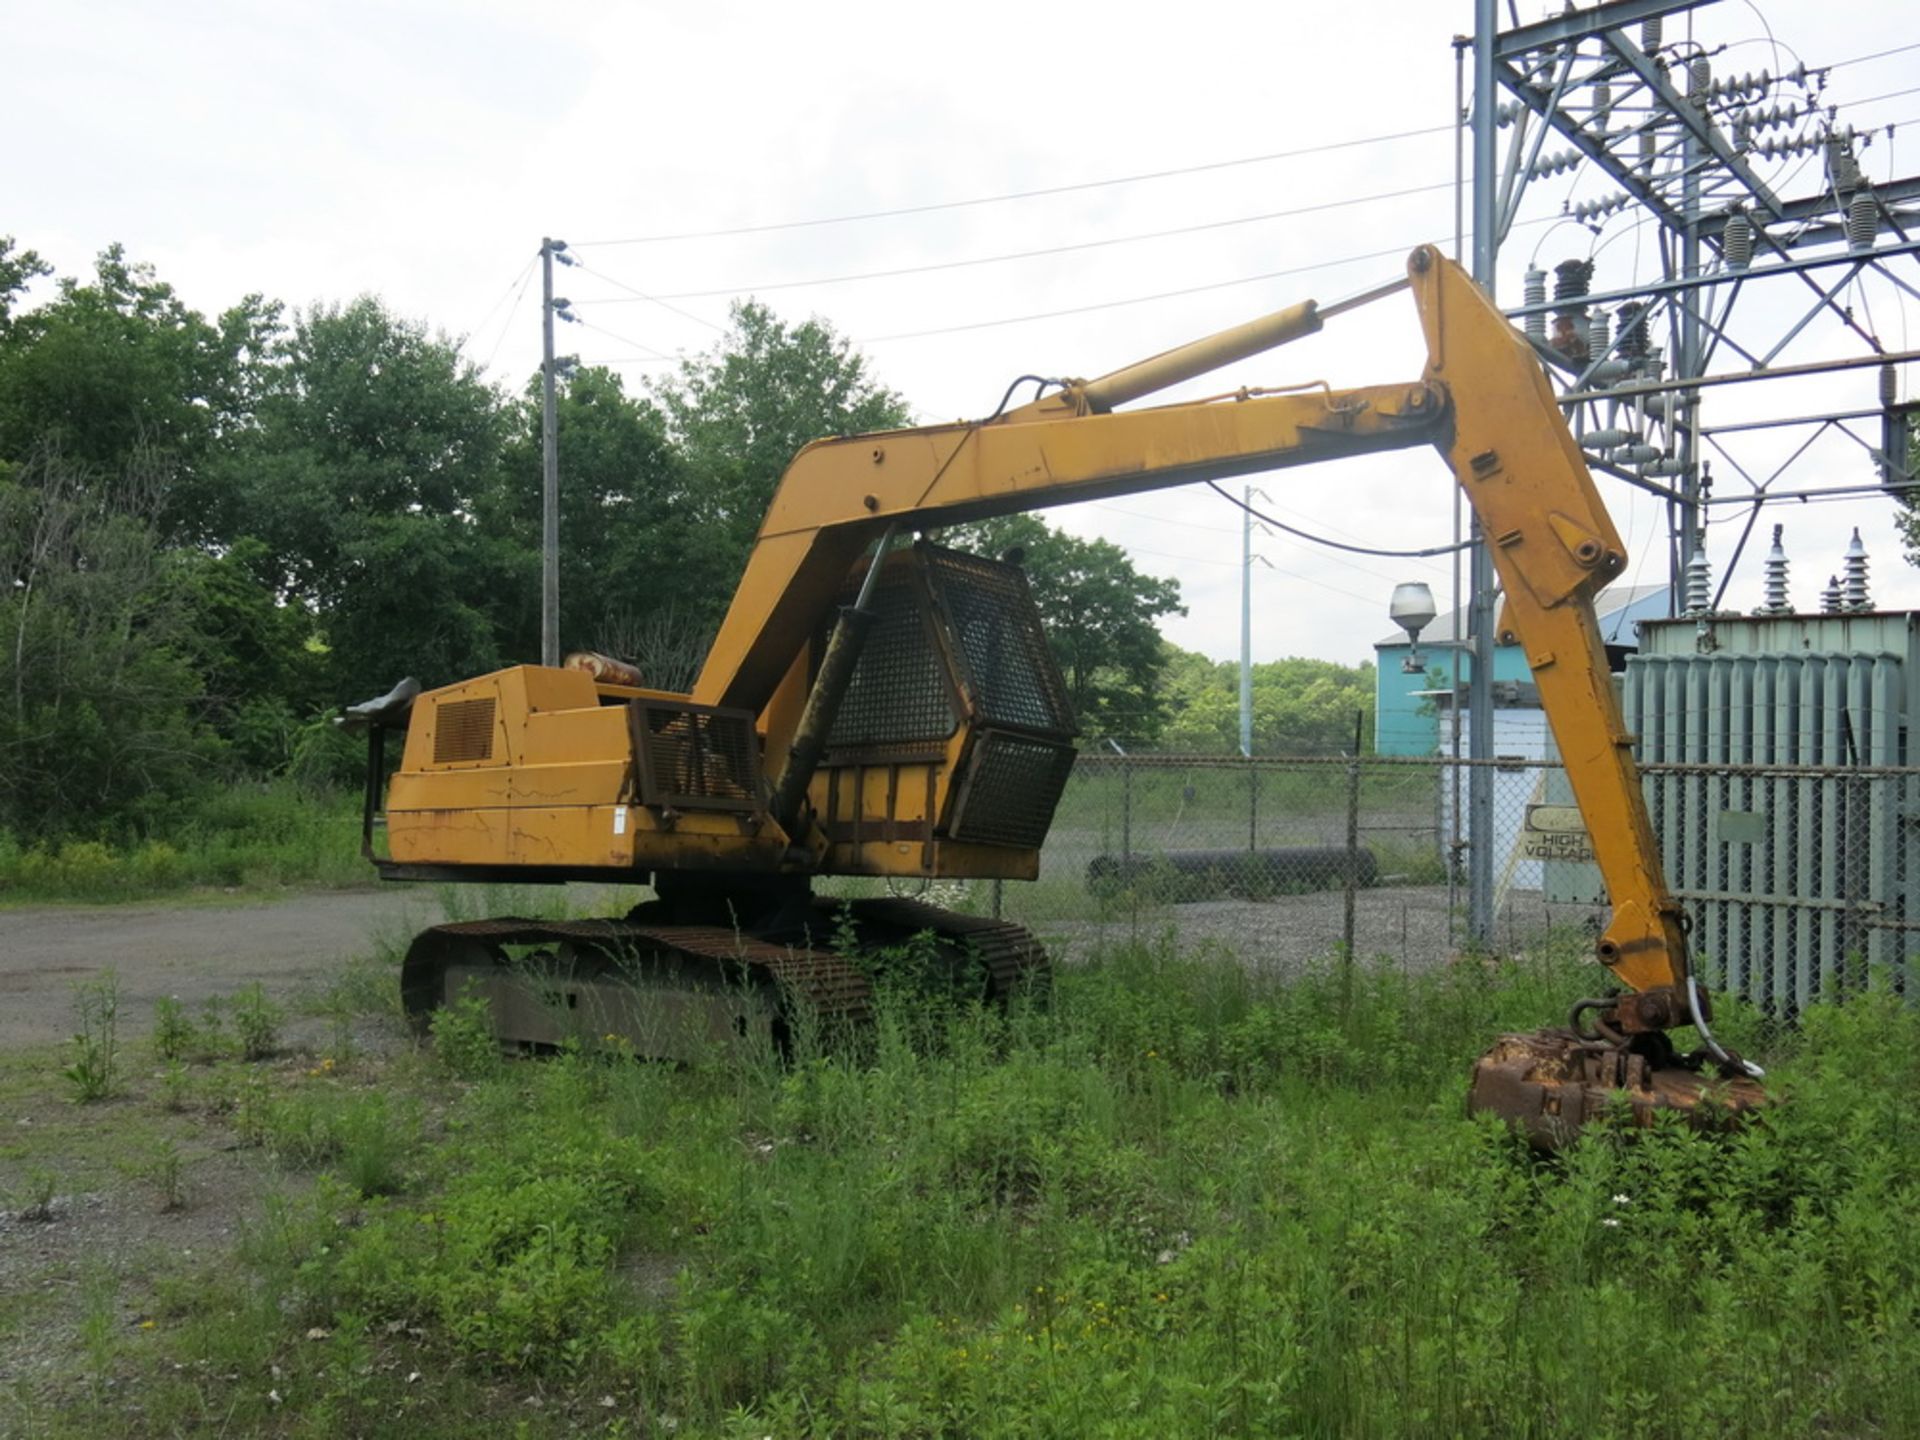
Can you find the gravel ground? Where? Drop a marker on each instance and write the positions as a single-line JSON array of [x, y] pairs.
[[1409, 924], [201, 947], [299, 942], [191, 951]]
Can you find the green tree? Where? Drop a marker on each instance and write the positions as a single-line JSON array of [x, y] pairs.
[[631, 543], [260, 674], [740, 412], [1101, 617], [18, 269], [97, 688], [371, 447], [1300, 706], [119, 371]]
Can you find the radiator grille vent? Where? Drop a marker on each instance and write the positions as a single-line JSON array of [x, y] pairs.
[[1773, 785], [463, 731], [898, 695], [1011, 788], [996, 628], [695, 757]]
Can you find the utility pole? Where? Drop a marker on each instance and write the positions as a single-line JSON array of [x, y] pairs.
[[1486, 241], [550, 250], [1247, 557]]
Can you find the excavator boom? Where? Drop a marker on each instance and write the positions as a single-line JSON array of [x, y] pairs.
[[1483, 402]]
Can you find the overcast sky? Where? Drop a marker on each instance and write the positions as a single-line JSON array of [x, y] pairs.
[[419, 151]]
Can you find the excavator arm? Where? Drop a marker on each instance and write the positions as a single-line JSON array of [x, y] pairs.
[[1484, 403]]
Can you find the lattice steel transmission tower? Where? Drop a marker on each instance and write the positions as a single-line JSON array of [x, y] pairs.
[[1763, 239]]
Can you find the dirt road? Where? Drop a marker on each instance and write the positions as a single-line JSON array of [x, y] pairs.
[[191, 951]]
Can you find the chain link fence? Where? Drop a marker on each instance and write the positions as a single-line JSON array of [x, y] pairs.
[[1799, 880]]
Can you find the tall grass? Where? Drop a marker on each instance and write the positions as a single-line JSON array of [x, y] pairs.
[[1185, 1200], [231, 836]]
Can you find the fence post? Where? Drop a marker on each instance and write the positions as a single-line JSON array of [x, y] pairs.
[[1126, 816], [1253, 805], [1353, 866]]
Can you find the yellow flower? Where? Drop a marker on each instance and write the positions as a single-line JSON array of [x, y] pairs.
[[147, 1324]]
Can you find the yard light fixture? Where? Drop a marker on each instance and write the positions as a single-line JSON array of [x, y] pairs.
[[1412, 610]]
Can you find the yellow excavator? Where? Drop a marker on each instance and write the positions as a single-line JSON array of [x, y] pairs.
[[878, 708]]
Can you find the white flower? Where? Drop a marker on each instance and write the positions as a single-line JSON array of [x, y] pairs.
[[1623, 1199], [1611, 1222]]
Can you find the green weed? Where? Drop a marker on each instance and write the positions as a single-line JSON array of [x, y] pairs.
[[304, 1128], [463, 1037], [95, 1071], [173, 1035], [210, 1034], [34, 1198], [256, 1023], [176, 1087], [231, 835], [163, 1169], [1187, 1198], [376, 1138]]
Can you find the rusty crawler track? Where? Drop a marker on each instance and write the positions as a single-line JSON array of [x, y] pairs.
[[1014, 961], [830, 985], [807, 976]]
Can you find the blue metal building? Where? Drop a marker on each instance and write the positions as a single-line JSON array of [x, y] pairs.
[[1406, 720]]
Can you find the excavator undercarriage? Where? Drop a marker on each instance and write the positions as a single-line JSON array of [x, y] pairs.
[[686, 991]]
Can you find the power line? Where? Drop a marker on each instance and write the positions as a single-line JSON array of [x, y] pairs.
[[651, 353], [519, 278], [642, 295], [1041, 253], [1870, 99], [507, 325], [938, 205], [1313, 580], [1221, 490], [1235, 530], [1166, 519], [1400, 249], [1877, 55], [1134, 299]]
